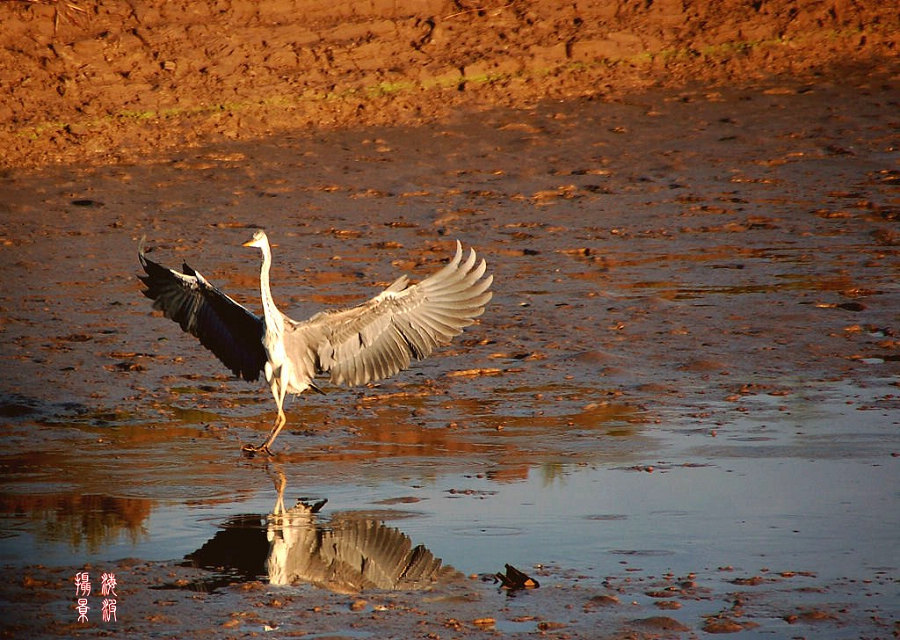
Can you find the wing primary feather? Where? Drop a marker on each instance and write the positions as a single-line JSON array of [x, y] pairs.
[[382, 336], [228, 329]]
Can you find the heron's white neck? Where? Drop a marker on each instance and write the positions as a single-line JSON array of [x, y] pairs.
[[273, 317]]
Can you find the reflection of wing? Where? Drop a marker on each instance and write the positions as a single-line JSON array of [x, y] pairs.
[[351, 555], [237, 551], [378, 556]]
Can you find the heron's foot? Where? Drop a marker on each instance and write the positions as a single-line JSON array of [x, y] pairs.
[[251, 450]]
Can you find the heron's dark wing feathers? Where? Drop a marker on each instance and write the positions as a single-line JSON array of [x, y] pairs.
[[228, 329], [380, 337]]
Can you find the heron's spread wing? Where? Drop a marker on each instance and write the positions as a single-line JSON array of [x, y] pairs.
[[380, 337], [228, 329]]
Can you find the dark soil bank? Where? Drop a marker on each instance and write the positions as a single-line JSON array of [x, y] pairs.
[[107, 81]]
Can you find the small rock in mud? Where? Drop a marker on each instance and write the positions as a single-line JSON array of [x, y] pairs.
[[659, 623], [485, 623], [726, 625], [550, 626], [749, 582], [811, 615], [602, 600], [358, 605]]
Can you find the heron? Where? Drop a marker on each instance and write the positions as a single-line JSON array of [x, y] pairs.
[[352, 346]]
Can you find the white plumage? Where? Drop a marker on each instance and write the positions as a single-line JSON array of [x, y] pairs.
[[352, 346]]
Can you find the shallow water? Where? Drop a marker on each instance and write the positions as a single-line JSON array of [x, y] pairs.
[[697, 517], [757, 498], [689, 366]]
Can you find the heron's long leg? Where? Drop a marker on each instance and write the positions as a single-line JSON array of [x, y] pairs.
[[279, 390], [280, 421]]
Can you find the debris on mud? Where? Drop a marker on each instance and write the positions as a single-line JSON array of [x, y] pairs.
[[514, 579]]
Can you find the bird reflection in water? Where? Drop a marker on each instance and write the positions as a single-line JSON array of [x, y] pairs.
[[346, 554]]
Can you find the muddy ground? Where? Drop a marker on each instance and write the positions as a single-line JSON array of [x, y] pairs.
[[103, 82], [692, 219]]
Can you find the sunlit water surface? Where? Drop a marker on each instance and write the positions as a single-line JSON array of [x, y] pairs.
[[808, 491]]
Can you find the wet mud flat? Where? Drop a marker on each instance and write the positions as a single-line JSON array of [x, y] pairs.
[[679, 413]]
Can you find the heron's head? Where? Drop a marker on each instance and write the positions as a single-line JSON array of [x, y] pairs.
[[259, 239]]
